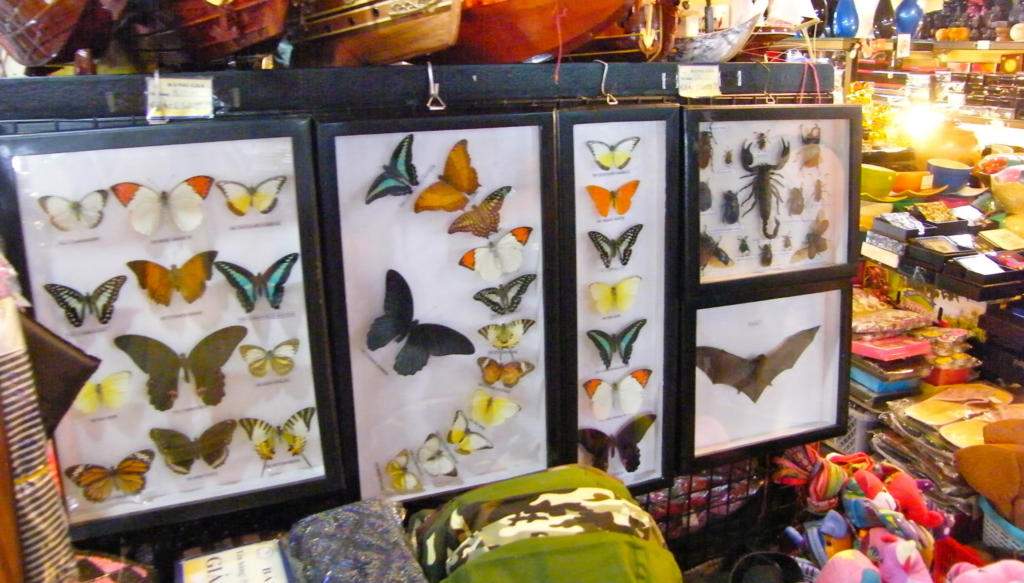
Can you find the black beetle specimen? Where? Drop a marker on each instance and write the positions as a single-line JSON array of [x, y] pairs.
[[704, 194], [787, 242], [744, 245], [762, 140], [730, 207], [704, 149], [795, 202], [766, 254]]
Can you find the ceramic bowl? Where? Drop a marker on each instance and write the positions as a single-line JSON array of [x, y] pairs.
[[1007, 191], [876, 180], [949, 173]]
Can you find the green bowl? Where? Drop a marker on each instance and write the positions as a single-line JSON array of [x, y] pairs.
[[876, 180]]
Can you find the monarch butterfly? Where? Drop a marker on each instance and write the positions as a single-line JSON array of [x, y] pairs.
[[98, 482]]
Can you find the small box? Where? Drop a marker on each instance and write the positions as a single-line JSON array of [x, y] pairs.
[[1011, 64], [1003, 327], [885, 242], [999, 362], [861, 393], [913, 367], [262, 561], [980, 293], [891, 348], [983, 67], [899, 233], [926, 250], [877, 385], [957, 270]]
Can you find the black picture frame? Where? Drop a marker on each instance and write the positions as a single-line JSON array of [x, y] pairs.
[[340, 305], [788, 310], [297, 133], [577, 212], [799, 123]]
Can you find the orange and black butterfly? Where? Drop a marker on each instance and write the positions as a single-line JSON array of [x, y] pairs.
[[620, 199], [189, 279], [509, 373], [452, 190], [99, 482], [482, 220]]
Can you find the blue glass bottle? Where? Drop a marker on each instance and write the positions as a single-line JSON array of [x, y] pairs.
[[845, 21], [908, 17]]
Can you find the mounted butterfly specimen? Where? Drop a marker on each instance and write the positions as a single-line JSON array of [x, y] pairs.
[[99, 482], [293, 433], [506, 336], [505, 299], [620, 199], [399, 174], [625, 441], [147, 207], [111, 393], [621, 295], [627, 395], [69, 215], [508, 373], [189, 280], [453, 188], [482, 220], [262, 197], [401, 476], [421, 340], [203, 364], [280, 358], [180, 452], [269, 284], [498, 258], [76, 305], [491, 411], [751, 376], [465, 440], [435, 459], [613, 156], [622, 342], [622, 247]]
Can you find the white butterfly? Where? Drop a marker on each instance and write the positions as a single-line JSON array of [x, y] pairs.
[[75, 214], [496, 259], [435, 459], [402, 478], [465, 440], [627, 395], [146, 207]]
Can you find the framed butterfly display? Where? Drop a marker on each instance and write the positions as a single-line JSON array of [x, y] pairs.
[[770, 193], [189, 265], [620, 192], [770, 370], [440, 233]]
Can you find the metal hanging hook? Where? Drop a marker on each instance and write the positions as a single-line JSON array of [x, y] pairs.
[[604, 77], [434, 103]]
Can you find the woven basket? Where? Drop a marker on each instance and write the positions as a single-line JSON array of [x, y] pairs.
[[997, 532]]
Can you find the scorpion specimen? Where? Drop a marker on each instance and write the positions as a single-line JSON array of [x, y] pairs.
[[764, 185], [730, 207]]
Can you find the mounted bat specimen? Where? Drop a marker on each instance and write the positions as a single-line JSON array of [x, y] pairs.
[[751, 376]]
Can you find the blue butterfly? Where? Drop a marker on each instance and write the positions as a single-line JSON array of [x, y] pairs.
[[607, 344], [399, 175], [270, 283]]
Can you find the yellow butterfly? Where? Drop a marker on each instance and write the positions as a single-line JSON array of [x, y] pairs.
[[621, 295], [506, 335], [465, 440], [293, 433], [262, 197], [491, 411], [280, 358], [110, 392], [402, 479], [616, 156]]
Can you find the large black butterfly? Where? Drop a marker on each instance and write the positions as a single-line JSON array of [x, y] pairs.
[[162, 364], [611, 248], [626, 441], [422, 340], [504, 299]]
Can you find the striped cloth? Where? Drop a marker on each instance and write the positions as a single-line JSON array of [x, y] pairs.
[[42, 522]]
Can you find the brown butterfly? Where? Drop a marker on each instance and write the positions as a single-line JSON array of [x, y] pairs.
[[508, 373], [482, 220], [189, 279], [452, 190]]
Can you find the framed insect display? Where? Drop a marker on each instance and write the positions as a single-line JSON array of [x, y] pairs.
[[617, 171], [771, 193], [770, 369], [186, 258], [438, 231]]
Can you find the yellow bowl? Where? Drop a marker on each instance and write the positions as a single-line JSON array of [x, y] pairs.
[[876, 180], [1010, 196]]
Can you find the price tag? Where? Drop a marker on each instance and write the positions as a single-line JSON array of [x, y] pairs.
[[902, 46], [178, 98], [984, 45], [699, 81]]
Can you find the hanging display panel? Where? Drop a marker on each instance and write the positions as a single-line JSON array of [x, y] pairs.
[[442, 235], [619, 188], [186, 259], [771, 192], [771, 369]]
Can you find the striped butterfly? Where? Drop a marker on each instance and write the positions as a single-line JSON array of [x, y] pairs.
[[505, 299], [399, 174], [250, 287], [622, 247], [293, 433], [99, 482], [622, 342], [76, 304]]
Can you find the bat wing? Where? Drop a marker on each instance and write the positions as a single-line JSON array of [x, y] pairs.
[[785, 355], [726, 368]]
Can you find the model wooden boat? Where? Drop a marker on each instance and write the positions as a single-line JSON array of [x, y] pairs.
[[636, 37], [714, 47], [374, 32]]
